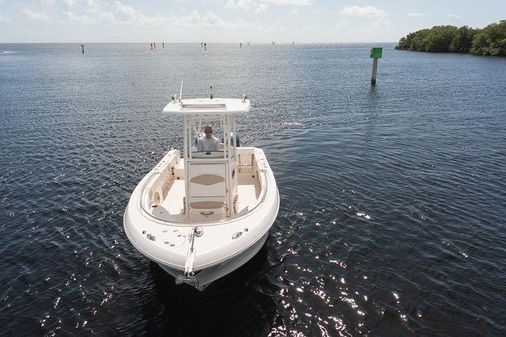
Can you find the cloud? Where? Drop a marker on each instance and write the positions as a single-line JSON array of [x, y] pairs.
[[120, 13], [208, 19], [287, 2], [126, 13], [415, 14], [261, 8], [454, 17], [33, 15], [351, 25], [4, 19], [363, 11], [241, 4], [69, 3], [95, 11], [258, 6], [277, 27]]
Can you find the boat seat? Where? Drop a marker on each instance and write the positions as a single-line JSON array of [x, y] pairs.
[[207, 179], [207, 186], [207, 204]]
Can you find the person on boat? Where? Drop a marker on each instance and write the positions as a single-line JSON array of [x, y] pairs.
[[209, 143]]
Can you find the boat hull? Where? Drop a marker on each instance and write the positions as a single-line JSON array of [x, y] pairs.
[[205, 277], [221, 247]]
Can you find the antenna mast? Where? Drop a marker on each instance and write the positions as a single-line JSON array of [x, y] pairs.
[[181, 91]]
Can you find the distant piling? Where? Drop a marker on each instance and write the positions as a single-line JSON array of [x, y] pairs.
[[82, 48], [376, 53], [374, 71]]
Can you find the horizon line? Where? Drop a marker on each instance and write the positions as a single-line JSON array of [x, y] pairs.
[[198, 42]]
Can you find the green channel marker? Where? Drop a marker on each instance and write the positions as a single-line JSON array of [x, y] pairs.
[[376, 53]]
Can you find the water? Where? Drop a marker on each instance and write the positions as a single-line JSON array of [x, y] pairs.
[[392, 218]]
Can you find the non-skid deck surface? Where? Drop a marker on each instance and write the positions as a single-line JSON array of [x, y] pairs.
[[247, 191], [171, 208]]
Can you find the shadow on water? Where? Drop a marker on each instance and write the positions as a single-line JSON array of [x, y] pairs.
[[231, 306]]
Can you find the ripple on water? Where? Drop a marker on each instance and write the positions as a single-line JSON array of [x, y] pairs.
[[391, 199]]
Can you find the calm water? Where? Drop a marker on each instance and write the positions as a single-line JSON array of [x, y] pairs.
[[392, 219]]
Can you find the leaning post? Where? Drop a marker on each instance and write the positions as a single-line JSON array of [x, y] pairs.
[[376, 53]]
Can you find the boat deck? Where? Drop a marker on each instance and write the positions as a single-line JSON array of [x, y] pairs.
[[171, 208], [248, 191]]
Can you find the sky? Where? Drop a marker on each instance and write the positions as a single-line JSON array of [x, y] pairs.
[[262, 21]]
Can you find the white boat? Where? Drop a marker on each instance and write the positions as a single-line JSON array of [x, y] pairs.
[[202, 215]]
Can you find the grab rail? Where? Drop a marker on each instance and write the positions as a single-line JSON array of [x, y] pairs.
[[190, 256]]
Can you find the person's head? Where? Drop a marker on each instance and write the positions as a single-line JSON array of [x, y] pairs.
[[208, 130]]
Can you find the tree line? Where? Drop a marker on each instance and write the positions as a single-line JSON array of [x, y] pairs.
[[490, 40]]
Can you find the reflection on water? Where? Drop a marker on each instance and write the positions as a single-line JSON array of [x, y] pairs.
[[232, 306]]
